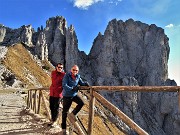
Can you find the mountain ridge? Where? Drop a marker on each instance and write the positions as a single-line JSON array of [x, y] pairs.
[[129, 53]]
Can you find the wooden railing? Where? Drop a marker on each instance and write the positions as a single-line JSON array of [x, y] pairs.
[[35, 95], [36, 98]]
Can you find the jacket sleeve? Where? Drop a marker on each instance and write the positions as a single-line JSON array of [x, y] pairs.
[[81, 82], [53, 77], [65, 83]]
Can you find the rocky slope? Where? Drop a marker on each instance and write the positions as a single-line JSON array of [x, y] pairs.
[[127, 53], [20, 69]]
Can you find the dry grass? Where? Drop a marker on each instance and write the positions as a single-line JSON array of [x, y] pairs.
[[19, 61], [101, 126]]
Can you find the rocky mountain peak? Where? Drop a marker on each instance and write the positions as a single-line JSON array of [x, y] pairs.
[[127, 49], [56, 22], [127, 53]]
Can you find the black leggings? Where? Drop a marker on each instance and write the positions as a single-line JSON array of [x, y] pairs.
[[54, 107], [67, 101]]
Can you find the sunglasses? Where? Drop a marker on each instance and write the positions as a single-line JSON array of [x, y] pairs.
[[60, 67], [75, 70]]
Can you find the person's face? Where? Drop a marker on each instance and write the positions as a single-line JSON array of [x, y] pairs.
[[74, 70], [59, 68]]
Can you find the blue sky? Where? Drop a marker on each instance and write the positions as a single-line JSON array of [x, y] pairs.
[[90, 17]]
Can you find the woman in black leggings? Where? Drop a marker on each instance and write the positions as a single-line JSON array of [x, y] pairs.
[[70, 94]]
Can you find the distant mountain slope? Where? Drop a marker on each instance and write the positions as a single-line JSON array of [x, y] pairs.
[[127, 53], [21, 63]]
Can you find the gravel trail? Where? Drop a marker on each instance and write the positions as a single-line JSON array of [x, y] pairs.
[[16, 120]]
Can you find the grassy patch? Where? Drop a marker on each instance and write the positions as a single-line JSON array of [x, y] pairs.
[[20, 62]]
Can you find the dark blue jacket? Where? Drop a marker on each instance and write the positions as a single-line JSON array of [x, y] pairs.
[[68, 84]]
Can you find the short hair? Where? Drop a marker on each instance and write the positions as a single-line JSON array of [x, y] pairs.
[[58, 64], [75, 66]]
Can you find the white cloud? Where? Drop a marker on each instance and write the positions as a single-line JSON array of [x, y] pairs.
[[84, 4], [169, 26]]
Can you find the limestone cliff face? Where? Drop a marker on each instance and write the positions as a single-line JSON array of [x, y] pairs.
[[127, 53], [55, 33], [10, 36], [2, 32], [134, 53], [132, 49]]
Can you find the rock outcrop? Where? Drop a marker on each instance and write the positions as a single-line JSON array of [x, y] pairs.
[[10, 36], [128, 53], [131, 49], [133, 53], [7, 78], [2, 32]]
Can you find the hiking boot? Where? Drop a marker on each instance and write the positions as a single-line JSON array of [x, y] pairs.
[[53, 125], [72, 117]]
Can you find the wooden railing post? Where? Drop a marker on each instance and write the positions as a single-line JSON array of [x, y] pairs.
[[39, 102], [91, 112], [35, 101], [46, 107], [30, 99]]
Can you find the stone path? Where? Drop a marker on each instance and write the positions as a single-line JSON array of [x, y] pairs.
[[16, 120]]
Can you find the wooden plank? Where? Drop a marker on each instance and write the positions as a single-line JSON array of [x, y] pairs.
[[31, 100], [124, 88], [91, 112], [81, 125], [35, 101], [39, 102], [120, 114], [46, 107], [76, 126], [139, 88], [85, 87], [28, 100], [43, 88]]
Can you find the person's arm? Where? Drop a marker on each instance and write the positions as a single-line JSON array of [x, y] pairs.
[[53, 77], [82, 83], [65, 83]]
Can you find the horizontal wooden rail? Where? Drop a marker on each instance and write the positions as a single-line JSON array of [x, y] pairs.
[[43, 88], [139, 88], [31, 101], [126, 88]]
